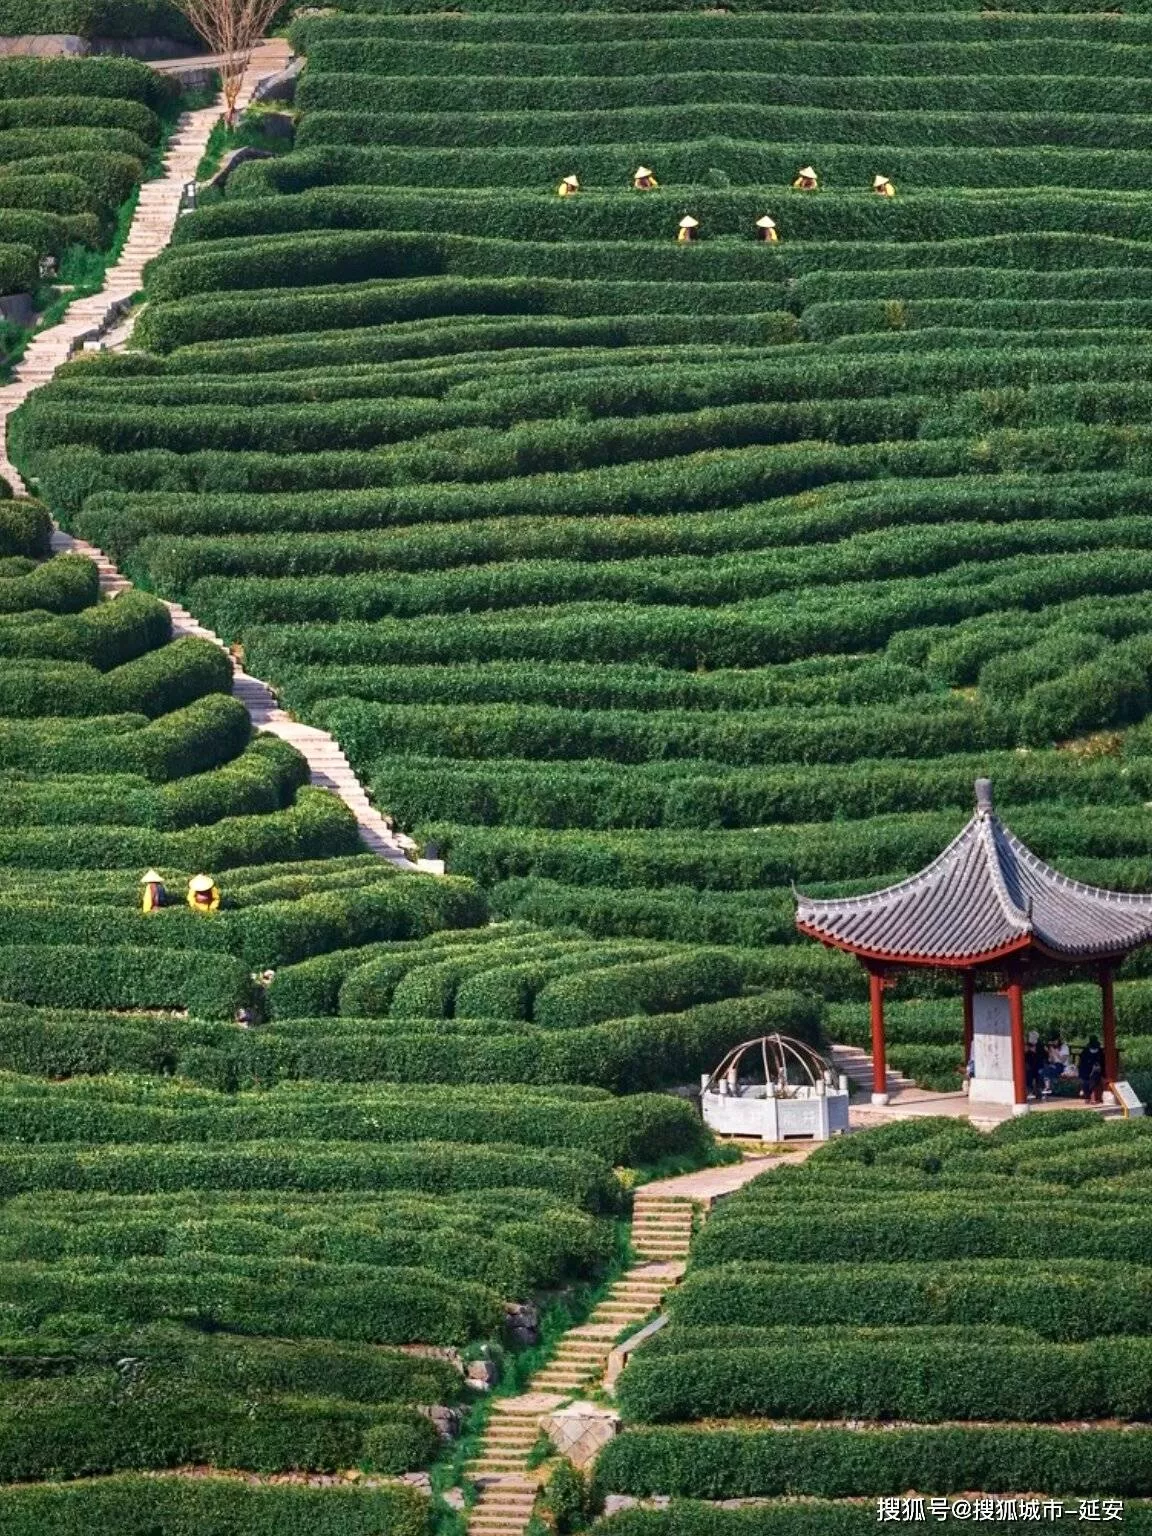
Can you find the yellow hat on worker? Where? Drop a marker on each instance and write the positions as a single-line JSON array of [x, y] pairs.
[[642, 170], [688, 222], [807, 170], [880, 181], [570, 181], [766, 223], [151, 878], [201, 883]]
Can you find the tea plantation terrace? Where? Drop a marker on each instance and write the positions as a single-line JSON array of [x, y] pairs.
[[579, 539]]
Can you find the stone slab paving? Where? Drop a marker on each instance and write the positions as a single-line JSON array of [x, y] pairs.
[[89, 319]]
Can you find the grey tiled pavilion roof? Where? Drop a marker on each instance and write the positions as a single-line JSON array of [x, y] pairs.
[[985, 895]]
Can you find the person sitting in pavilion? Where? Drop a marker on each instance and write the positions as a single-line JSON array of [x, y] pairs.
[[767, 228], [687, 231], [1035, 1062], [1059, 1058], [806, 180], [568, 187], [883, 187], [643, 179], [203, 894], [1092, 1072]]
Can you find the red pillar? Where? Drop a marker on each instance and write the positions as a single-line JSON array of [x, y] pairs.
[[1016, 1013], [969, 989], [879, 1064], [1108, 1001]]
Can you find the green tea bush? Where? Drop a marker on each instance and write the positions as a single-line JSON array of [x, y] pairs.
[[898, 1377], [123, 978], [846, 1463], [136, 1505], [289, 1164], [905, 1293]]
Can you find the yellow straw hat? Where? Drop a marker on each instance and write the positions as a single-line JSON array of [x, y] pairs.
[[151, 878], [688, 222], [766, 223], [201, 883], [641, 170], [806, 170]]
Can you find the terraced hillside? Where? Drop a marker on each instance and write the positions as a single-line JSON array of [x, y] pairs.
[[270, 1175], [76, 137], [903, 1313], [644, 578]]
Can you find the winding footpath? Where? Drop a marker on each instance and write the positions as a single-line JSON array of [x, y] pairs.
[[91, 318]]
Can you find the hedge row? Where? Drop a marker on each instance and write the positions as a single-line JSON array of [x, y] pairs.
[[642, 1129], [106, 76], [263, 778], [318, 823], [340, 125], [184, 321], [203, 735], [91, 1426], [615, 502], [626, 1056], [855, 218], [166, 679], [851, 615], [25, 528], [594, 794], [297, 1299], [792, 55], [119, 977], [328, 1165], [577, 26], [893, 1377], [438, 985], [973, 1290], [133, 1505], [271, 934], [80, 111], [769, 856], [67, 585], [805, 1518], [853, 1463]]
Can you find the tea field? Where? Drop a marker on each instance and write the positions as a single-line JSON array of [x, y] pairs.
[[644, 578], [923, 1307], [272, 1175], [77, 135]]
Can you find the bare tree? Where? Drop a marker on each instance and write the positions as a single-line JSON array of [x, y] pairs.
[[231, 28]]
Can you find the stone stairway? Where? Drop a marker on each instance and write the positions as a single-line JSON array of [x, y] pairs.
[[661, 1225], [856, 1065], [88, 319], [507, 1485]]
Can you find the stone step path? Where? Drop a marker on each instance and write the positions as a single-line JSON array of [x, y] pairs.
[[857, 1066], [664, 1215], [328, 767], [88, 319]]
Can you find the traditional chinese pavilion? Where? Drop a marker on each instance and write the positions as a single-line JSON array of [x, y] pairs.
[[990, 909]]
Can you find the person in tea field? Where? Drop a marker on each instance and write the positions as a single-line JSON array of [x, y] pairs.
[[203, 894], [643, 180], [767, 228], [152, 895], [883, 187], [568, 187], [807, 180], [1092, 1071], [687, 231]]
